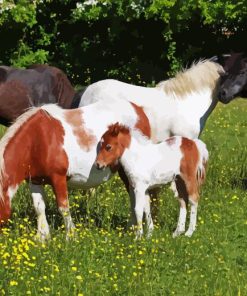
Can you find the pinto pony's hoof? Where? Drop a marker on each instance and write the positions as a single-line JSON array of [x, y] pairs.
[[71, 233]]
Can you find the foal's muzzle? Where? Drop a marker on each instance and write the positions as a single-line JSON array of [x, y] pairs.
[[100, 166]]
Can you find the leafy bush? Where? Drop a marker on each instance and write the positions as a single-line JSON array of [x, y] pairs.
[[138, 41]]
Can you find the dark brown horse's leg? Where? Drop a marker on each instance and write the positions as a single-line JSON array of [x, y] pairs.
[[59, 184]]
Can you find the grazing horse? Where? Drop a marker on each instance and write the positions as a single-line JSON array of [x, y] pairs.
[[147, 165], [178, 106], [234, 82], [51, 145], [21, 89]]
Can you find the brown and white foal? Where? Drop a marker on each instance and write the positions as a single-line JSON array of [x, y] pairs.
[[148, 165]]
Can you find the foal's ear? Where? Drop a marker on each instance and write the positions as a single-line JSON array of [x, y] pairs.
[[124, 129], [115, 129]]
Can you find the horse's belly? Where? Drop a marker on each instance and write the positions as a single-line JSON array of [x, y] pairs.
[[95, 178]]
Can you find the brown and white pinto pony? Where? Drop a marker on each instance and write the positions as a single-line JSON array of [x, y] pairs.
[[50, 145], [147, 165]]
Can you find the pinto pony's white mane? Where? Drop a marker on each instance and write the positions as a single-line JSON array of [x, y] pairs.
[[201, 75], [11, 131]]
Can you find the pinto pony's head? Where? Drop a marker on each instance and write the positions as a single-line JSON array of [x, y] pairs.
[[112, 145]]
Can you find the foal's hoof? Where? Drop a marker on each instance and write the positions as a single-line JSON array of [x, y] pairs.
[[177, 233], [42, 237], [189, 233], [139, 235]]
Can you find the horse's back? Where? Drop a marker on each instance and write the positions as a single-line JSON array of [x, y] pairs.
[[109, 89]]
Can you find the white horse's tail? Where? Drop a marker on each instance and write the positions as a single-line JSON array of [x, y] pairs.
[[203, 159]]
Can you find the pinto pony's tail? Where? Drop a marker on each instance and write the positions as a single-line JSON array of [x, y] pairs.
[[203, 159]]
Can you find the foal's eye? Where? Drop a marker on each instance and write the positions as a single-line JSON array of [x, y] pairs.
[[108, 147]]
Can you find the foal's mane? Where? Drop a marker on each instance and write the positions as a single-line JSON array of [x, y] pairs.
[[140, 137], [8, 136], [202, 74]]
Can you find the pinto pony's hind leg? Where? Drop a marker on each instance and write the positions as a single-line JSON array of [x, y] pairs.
[[59, 185], [38, 194]]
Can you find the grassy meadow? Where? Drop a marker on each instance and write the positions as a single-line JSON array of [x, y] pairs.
[[104, 259]]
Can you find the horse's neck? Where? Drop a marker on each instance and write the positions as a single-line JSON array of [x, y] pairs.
[[134, 157], [208, 111]]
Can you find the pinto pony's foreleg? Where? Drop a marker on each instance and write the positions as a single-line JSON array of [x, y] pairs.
[[38, 194], [148, 216], [59, 185], [132, 222], [5, 211]]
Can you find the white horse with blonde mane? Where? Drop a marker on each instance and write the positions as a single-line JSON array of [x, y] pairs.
[[178, 106]]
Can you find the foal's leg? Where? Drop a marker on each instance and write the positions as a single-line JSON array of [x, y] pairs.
[[154, 198], [59, 184], [38, 194], [140, 202], [193, 200], [183, 198], [182, 219]]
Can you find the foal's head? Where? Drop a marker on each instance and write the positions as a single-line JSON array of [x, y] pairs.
[[234, 82], [112, 145]]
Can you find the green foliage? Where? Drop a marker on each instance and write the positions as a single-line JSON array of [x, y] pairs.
[[119, 38], [21, 12], [25, 56]]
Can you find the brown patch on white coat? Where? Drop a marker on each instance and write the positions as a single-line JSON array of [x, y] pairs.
[[143, 123], [84, 138]]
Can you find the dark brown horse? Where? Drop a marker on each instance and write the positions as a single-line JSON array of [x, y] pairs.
[[233, 83], [21, 89]]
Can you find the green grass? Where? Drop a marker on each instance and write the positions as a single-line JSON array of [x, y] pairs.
[[103, 258]]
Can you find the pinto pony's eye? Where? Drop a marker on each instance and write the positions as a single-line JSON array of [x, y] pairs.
[[108, 147]]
